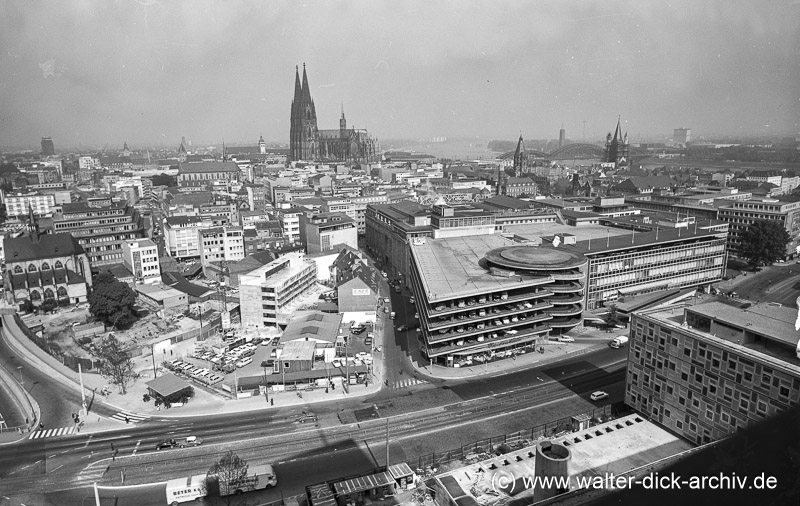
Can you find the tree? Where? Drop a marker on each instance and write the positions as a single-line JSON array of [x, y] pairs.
[[112, 301], [230, 475], [763, 242], [115, 362]]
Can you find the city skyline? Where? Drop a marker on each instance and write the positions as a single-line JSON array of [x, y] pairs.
[[150, 72]]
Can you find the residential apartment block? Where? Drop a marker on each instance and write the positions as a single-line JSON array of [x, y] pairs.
[[265, 292], [221, 244], [181, 235], [708, 370]]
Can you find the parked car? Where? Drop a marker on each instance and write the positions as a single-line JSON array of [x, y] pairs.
[[566, 339], [191, 441], [368, 341], [167, 443], [599, 395]]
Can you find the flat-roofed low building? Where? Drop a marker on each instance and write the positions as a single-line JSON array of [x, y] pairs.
[[484, 295], [707, 370]]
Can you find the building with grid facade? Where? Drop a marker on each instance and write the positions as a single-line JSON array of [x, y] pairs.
[[645, 262], [708, 370], [740, 215]]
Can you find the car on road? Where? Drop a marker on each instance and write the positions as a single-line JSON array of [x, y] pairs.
[[401, 328], [307, 419], [191, 441], [599, 395], [167, 443], [566, 339]]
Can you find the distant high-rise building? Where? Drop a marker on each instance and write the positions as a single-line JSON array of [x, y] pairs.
[[307, 142], [562, 134], [617, 147], [682, 136], [48, 149]]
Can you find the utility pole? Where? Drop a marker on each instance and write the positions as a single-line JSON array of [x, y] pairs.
[[153, 353], [387, 444], [83, 392]]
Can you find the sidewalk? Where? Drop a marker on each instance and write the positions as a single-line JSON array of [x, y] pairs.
[[553, 352], [131, 402]]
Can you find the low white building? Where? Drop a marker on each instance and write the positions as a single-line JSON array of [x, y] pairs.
[[141, 258]]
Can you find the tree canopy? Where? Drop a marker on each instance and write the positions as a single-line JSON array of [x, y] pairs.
[[112, 301], [764, 242], [230, 475], [115, 362]]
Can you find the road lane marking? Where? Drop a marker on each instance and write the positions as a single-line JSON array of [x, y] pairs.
[[135, 448], [88, 440], [56, 469]]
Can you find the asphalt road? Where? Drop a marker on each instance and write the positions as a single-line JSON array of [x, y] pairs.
[[304, 448], [777, 283]]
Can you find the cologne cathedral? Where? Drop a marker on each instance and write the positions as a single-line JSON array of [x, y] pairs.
[[307, 142]]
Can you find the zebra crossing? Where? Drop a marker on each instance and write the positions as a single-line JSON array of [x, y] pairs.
[[126, 417], [63, 431], [407, 383]]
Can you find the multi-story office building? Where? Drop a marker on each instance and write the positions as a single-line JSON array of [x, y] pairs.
[[221, 244], [740, 215], [205, 174], [19, 204], [141, 259], [682, 136], [324, 231], [48, 148], [181, 236], [391, 227], [101, 227], [643, 262], [265, 292], [354, 207], [485, 295], [708, 370]]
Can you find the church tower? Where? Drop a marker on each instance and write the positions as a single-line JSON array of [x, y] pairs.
[[617, 147], [303, 132], [520, 158], [262, 146]]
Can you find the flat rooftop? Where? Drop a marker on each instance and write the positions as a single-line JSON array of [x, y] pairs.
[[596, 239], [611, 447], [451, 268], [773, 322]]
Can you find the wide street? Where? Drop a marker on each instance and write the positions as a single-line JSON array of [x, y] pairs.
[[35, 469]]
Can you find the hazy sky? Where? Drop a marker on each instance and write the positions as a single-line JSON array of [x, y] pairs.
[[150, 71]]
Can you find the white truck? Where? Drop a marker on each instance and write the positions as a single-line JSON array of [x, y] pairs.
[[258, 477], [186, 489], [199, 486], [618, 342]]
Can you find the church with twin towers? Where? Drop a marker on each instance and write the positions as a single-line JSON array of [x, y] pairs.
[[308, 143]]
